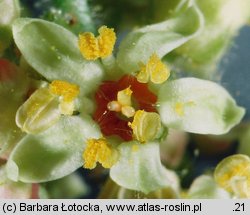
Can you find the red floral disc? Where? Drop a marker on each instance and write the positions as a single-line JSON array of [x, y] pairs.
[[113, 123]]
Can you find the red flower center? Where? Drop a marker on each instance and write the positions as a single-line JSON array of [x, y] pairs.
[[113, 123]]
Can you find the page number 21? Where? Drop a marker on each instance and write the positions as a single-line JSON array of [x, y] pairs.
[[239, 207]]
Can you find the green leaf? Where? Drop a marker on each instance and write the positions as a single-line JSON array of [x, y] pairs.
[[160, 38], [204, 187], [53, 52], [139, 168], [53, 153], [198, 106]]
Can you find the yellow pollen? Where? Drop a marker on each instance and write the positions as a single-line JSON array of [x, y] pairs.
[[98, 150], [179, 109], [145, 125], [154, 70], [68, 92], [93, 47], [123, 103], [62, 88]]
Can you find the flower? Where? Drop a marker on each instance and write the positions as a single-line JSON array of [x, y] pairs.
[[233, 174], [120, 121]]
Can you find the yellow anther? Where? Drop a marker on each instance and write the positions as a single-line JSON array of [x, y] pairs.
[[233, 174], [145, 126], [93, 47], [98, 150], [68, 92], [123, 103], [154, 70]]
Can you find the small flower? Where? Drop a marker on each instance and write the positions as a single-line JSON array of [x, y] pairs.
[[233, 174], [125, 112]]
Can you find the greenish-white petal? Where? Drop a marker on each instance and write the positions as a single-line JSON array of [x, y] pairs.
[[53, 153], [139, 168], [204, 187], [198, 106], [9, 10], [160, 38], [53, 51]]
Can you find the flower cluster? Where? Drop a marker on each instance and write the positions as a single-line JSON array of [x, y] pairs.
[[93, 104]]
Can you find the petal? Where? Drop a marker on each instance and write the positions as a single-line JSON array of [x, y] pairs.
[[53, 153], [54, 53], [9, 10], [13, 190], [198, 106], [159, 38], [139, 168], [204, 187]]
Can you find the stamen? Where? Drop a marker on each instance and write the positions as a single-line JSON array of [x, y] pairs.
[[93, 47], [154, 70], [68, 92], [98, 150], [145, 126]]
